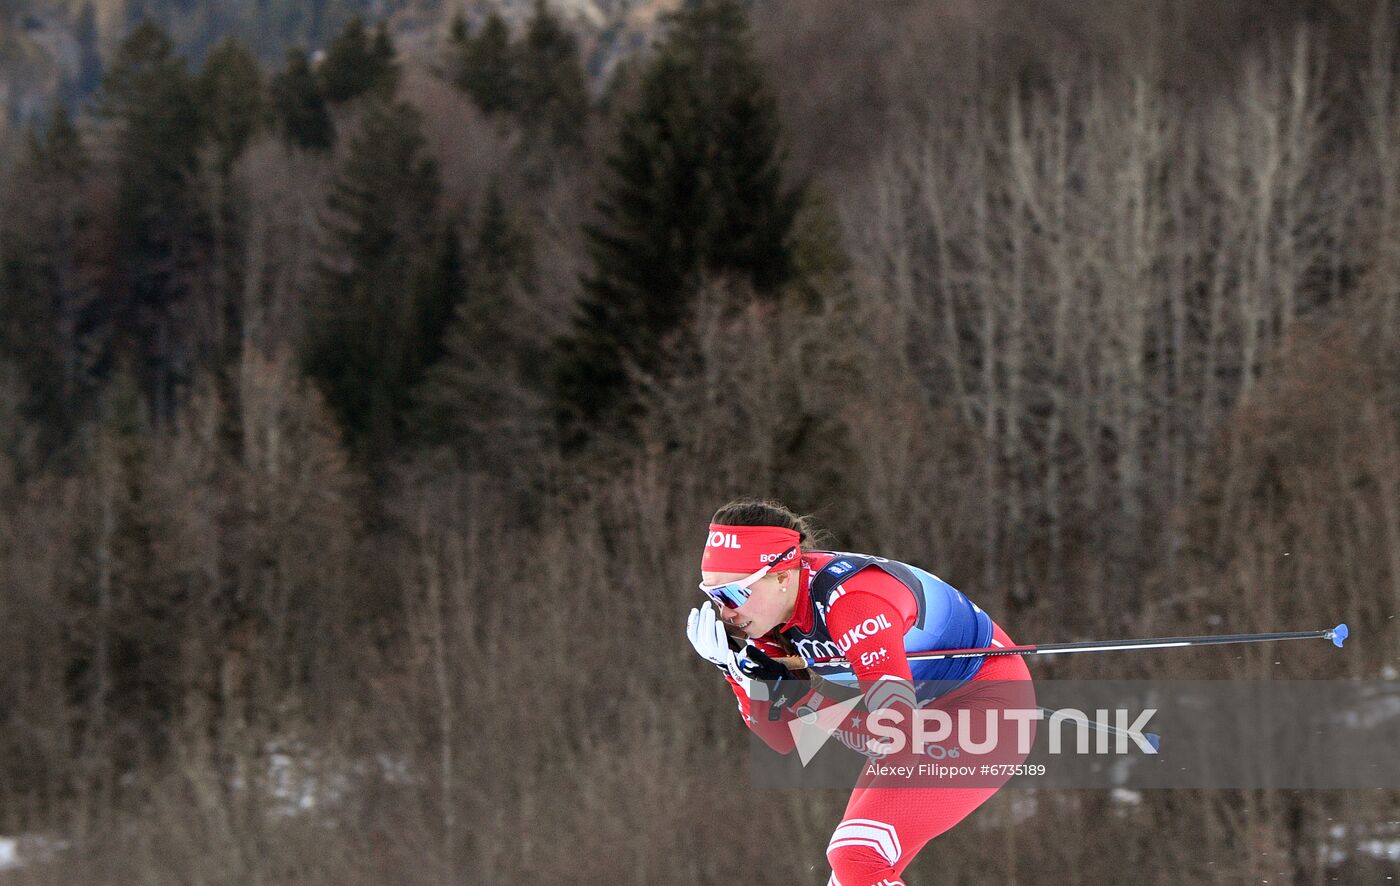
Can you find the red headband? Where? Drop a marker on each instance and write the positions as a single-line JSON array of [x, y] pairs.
[[748, 549]]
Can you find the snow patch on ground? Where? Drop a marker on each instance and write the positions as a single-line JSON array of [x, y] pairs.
[[1387, 849], [1382, 706], [1023, 807], [16, 852], [297, 786], [300, 779], [1380, 841], [9, 853]]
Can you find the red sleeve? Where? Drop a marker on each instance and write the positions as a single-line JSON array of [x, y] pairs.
[[868, 619], [775, 733]]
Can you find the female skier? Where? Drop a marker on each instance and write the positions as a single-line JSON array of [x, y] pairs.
[[772, 599]]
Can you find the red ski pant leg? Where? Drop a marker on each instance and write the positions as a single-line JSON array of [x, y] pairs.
[[885, 827]]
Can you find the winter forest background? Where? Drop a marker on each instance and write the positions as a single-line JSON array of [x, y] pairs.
[[368, 371]]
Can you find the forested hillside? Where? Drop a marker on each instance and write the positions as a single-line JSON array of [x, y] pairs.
[[56, 49], [368, 373]]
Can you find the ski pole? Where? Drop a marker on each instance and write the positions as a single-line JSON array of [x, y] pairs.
[[1337, 635], [1152, 738]]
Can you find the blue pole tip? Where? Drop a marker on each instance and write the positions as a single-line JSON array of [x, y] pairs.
[[1153, 739], [1339, 635]]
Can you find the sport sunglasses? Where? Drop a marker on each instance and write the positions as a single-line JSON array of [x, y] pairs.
[[735, 593]]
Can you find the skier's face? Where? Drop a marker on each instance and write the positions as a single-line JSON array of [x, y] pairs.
[[769, 605]]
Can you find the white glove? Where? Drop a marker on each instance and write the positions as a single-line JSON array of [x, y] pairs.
[[706, 633]]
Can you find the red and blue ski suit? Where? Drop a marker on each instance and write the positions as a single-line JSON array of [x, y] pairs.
[[873, 611]]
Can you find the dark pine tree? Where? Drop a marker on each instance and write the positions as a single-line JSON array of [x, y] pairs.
[[486, 66], [386, 284], [466, 395], [501, 267], [695, 189], [43, 297], [384, 58], [553, 93], [89, 55], [146, 614], [356, 64], [162, 230], [298, 105], [457, 32], [229, 90]]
